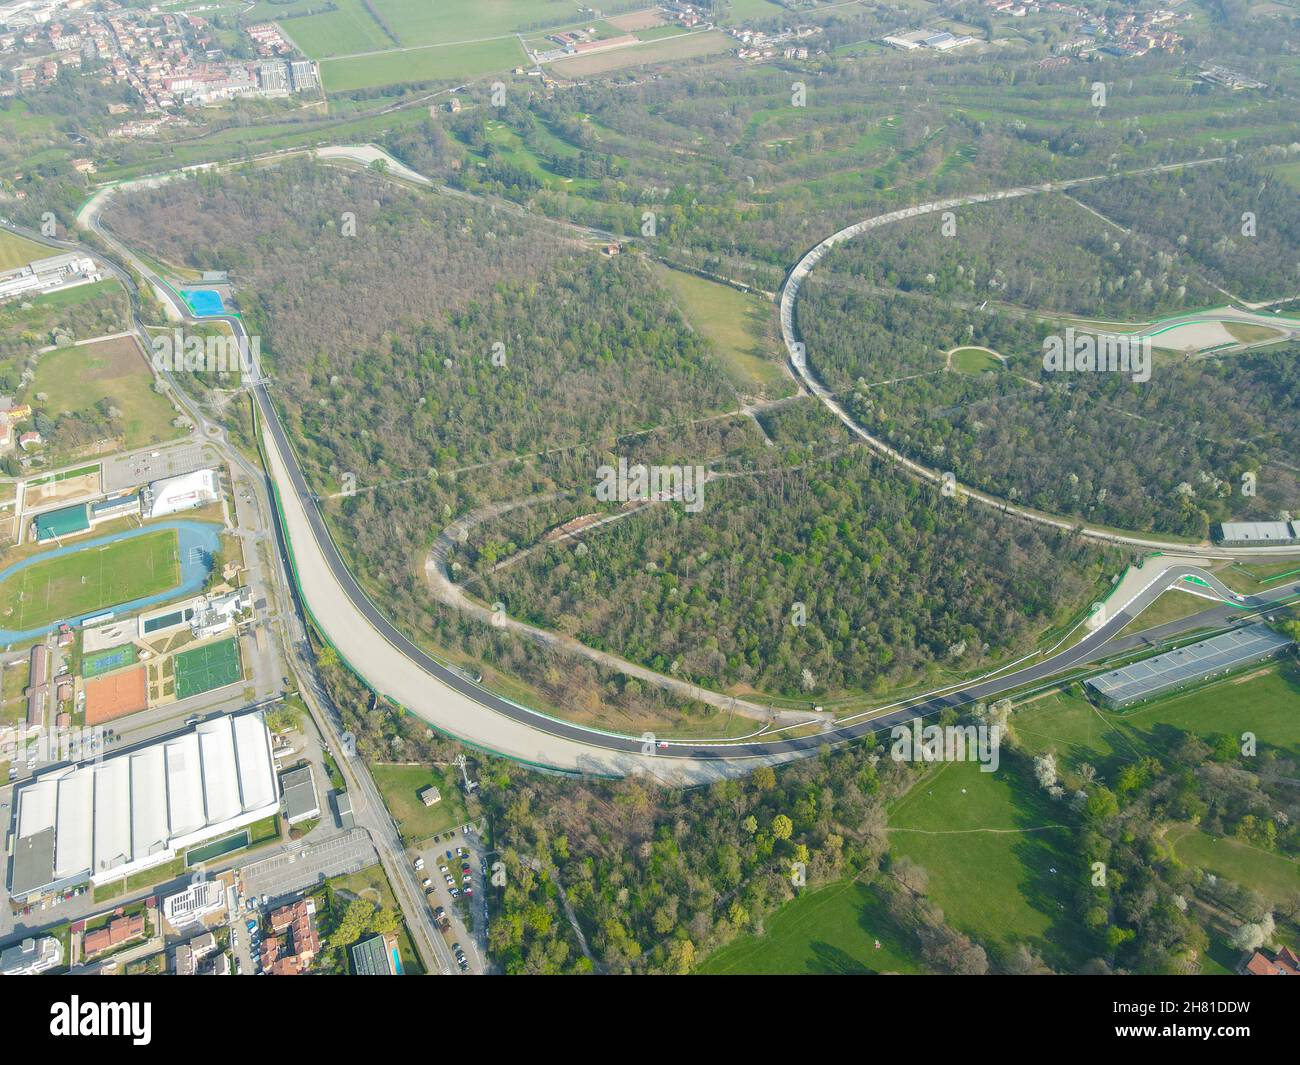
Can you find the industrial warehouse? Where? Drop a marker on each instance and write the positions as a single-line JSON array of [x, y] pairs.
[[1177, 669], [102, 821]]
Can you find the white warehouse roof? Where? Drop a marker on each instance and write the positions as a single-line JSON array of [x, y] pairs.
[[140, 809], [175, 494]]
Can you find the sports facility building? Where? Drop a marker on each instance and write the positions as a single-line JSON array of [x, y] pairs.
[[66, 521], [102, 821], [175, 494], [1177, 669]]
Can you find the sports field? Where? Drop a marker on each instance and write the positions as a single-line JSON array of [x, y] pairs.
[[105, 661], [114, 696], [89, 580], [212, 666]]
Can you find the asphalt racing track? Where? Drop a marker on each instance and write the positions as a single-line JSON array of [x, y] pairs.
[[397, 669]]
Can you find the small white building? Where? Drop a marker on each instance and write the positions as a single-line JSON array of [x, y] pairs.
[[214, 616]]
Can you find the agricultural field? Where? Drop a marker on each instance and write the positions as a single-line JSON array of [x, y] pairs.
[[666, 50], [89, 580], [417, 22], [431, 63], [417, 41], [347, 30]]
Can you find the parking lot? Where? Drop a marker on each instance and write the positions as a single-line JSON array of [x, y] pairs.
[[304, 867], [463, 900]]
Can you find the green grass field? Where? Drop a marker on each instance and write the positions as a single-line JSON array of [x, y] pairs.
[[346, 30], [735, 322], [833, 930], [90, 580], [450, 21], [1265, 701], [400, 785], [990, 845], [77, 378], [18, 251], [444, 63], [1273, 875], [974, 360], [211, 666]]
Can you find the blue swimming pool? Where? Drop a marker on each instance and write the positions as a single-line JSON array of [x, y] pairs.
[[198, 543], [203, 301]]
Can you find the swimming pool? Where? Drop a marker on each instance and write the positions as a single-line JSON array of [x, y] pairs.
[[203, 302], [197, 543]]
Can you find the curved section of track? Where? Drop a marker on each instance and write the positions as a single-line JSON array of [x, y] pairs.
[[798, 356], [398, 669]]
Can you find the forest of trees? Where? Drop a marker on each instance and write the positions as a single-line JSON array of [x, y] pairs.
[[891, 584], [878, 316], [1239, 224], [659, 878]]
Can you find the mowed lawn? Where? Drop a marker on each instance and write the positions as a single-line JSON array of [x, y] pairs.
[[833, 930], [76, 378], [400, 786], [90, 580], [999, 863]]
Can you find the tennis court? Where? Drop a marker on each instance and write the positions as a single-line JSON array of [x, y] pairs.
[[106, 661], [114, 696], [212, 666]]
